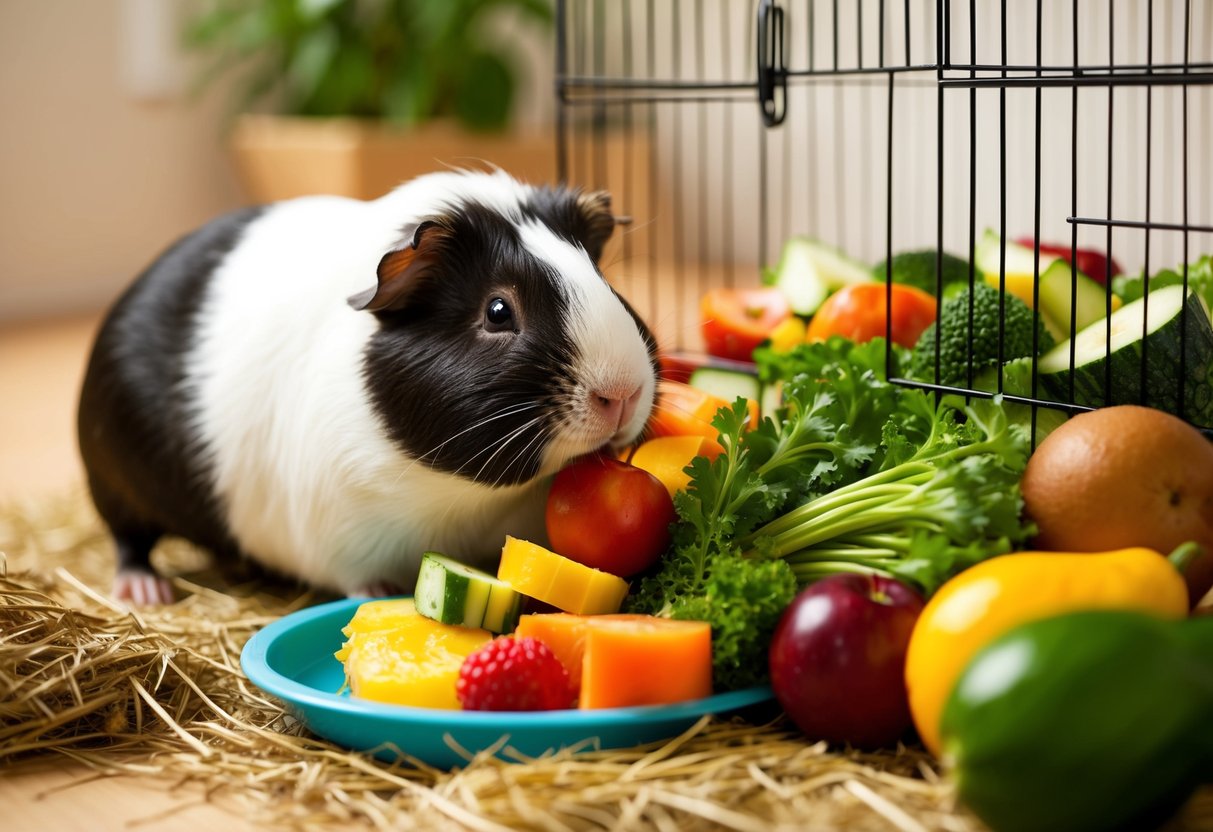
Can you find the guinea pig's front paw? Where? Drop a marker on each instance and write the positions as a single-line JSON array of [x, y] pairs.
[[377, 589], [143, 588]]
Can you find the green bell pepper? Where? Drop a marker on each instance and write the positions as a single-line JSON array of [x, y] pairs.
[[1094, 720]]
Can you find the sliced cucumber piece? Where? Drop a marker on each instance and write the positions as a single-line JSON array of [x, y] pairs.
[[1147, 342], [1020, 260], [772, 399], [727, 384], [809, 271], [1058, 285], [455, 593]]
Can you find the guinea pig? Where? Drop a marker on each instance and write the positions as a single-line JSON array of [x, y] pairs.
[[331, 387]]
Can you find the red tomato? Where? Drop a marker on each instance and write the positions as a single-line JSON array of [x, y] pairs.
[[609, 515], [858, 312], [735, 321]]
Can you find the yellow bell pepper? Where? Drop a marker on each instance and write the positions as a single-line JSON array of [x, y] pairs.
[[985, 601]]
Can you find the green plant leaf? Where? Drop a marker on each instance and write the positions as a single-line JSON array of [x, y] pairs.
[[486, 96], [407, 60], [312, 61]]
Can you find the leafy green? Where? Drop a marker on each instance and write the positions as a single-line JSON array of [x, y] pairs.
[[930, 512], [1016, 380], [854, 474]]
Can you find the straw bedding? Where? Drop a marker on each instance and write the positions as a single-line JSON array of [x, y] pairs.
[[158, 694]]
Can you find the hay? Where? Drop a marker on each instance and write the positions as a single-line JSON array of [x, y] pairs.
[[158, 694]]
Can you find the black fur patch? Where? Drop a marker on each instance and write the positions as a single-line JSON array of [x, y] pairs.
[[572, 217], [464, 400], [143, 468]]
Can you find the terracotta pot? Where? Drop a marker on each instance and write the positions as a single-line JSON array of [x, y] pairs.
[[281, 157]]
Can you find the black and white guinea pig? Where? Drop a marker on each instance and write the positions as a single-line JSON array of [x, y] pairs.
[[332, 387]]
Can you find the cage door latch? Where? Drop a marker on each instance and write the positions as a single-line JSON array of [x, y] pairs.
[[772, 66]]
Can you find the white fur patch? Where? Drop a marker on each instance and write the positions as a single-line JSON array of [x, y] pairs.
[[308, 480], [610, 363]]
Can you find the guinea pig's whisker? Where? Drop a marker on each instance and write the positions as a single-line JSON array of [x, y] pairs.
[[433, 452], [502, 414], [529, 453], [501, 445]]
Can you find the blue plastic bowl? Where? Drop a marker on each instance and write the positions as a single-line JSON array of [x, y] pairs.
[[292, 659]]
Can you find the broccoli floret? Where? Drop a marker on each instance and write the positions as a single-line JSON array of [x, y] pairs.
[[962, 348]]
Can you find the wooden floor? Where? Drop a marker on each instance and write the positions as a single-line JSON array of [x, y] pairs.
[[41, 366]]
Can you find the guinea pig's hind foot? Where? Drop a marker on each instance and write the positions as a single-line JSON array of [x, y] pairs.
[[142, 587]]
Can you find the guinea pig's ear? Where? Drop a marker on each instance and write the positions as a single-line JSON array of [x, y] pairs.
[[596, 223], [399, 269]]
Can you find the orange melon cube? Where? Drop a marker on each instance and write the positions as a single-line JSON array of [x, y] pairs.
[[632, 660]]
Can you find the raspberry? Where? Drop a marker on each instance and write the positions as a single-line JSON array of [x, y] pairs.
[[513, 674]]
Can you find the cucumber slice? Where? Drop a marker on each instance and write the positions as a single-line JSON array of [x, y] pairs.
[[809, 270], [1147, 342], [771, 401], [727, 384], [1021, 260], [1057, 283], [453, 593]]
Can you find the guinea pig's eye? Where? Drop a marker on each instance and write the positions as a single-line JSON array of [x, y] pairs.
[[498, 317]]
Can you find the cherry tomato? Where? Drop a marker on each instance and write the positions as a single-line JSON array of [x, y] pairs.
[[609, 515], [859, 312], [735, 321]]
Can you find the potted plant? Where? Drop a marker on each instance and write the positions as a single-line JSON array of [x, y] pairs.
[[353, 97]]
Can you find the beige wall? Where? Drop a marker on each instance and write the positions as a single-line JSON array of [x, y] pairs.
[[96, 175], [93, 181]]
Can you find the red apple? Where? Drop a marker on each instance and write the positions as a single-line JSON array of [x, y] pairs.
[[609, 515], [1094, 264], [838, 659]]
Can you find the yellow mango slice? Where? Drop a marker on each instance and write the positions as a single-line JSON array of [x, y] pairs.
[[398, 656], [556, 580], [372, 616]]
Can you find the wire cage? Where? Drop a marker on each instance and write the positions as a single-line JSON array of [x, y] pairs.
[[724, 128]]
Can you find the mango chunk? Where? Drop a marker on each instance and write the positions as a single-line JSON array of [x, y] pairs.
[[398, 656], [559, 581]]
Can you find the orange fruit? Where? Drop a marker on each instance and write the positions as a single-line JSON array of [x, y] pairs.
[[1120, 477]]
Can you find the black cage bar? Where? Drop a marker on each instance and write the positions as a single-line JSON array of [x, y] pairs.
[[722, 128]]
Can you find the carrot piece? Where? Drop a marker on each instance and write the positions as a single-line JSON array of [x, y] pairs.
[[644, 660], [683, 410], [563, 633]]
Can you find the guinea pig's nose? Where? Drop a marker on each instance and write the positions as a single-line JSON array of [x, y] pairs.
[[614, 409]]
